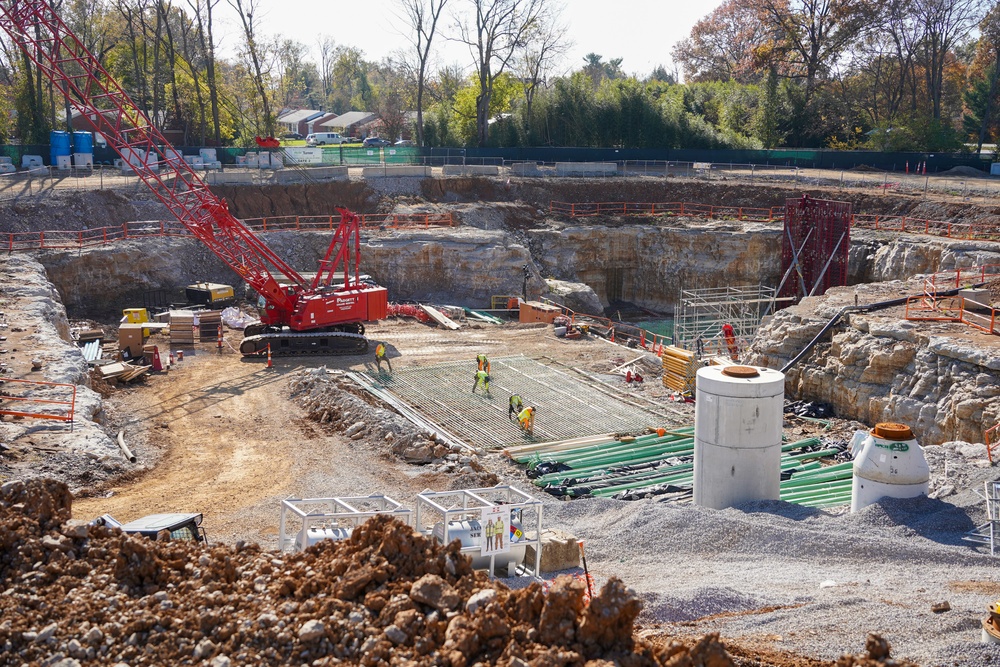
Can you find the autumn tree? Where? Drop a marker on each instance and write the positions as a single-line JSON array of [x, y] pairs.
[[723, 45], [945, 23], [545, 44]]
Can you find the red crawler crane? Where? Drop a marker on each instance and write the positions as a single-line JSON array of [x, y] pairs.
[[296, 317]]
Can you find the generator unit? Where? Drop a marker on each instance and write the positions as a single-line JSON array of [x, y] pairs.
[[210, 295], [331, 518], [463, 515]]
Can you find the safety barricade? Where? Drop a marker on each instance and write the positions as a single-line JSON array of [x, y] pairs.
[[38, 400]]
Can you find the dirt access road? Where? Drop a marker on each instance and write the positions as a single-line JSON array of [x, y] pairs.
[[219, 434]]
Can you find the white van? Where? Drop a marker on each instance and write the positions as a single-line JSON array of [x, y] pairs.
[[323, 138]]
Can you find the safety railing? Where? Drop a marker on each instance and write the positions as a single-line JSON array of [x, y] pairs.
[[57, 239], [978, 315], [905, 224], [964, 277], [680, 209], [32, 403]]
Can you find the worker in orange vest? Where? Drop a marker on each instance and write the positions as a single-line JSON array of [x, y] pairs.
[[483, 362], [527, 420]]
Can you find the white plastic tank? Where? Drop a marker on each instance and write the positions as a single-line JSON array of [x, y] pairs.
[[890, 464], [737, 435]]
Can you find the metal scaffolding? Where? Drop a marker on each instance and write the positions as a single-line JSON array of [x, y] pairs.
[[568, 407], [704, 312]]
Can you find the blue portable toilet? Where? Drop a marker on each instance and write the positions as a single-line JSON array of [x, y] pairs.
[[83, 142], [60, 146]]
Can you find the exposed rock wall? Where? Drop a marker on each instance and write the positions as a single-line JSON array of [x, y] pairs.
[[878, 258], [465, 266], [650, 265], [879, 367]]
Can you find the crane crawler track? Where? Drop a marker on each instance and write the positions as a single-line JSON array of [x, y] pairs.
[[290, 343]]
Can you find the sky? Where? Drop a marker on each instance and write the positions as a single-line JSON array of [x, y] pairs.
[[641, 32]]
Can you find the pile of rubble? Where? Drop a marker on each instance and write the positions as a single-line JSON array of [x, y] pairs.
[[76, 594]]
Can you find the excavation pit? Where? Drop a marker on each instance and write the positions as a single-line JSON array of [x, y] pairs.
[[568, 406]]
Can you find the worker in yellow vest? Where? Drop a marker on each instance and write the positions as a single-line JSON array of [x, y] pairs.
[[515, 407], [483, 378], [526, 419], [380, 357]]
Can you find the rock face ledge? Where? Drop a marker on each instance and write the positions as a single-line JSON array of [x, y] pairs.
[[940, 379]]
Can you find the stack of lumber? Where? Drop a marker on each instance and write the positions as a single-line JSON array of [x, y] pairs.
[[208, 325], [679, 368], [181, 327], [123, 371]]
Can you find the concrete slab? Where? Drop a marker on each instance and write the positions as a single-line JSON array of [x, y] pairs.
[[397, 170], [470, 170]]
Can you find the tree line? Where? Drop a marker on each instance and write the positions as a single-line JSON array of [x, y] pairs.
[[874, 74]]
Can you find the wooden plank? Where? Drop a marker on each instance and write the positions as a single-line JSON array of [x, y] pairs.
[[440, 317]]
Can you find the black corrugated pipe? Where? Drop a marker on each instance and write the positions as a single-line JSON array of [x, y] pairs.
[[868, 308]]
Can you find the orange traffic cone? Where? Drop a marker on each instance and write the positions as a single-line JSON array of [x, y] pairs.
[[269, 365], [220, 338], [157, 366]]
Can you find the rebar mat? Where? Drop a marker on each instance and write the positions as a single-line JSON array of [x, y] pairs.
[[568, 407]]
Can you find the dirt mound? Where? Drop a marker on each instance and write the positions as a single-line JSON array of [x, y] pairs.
[[387, 595], [963, 171]]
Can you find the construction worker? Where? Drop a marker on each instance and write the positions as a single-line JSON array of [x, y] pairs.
[[380, 357], [516, 405], [484, 363], [482, 377], [526, 418]]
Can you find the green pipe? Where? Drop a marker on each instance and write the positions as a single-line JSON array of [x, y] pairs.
[[621, 456], [611, 446]]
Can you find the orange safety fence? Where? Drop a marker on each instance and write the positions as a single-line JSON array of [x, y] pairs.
[[55, 240], [27, 402], [973, 275], [905, 224], [683, 209]]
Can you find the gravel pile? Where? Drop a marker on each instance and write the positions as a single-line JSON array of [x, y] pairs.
[[814, 581]]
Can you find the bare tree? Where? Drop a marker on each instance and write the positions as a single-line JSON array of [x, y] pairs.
[[545, 43], [423, 18], [945, 23], [203, 15], [494, 33], [255, 54], [327, 58]]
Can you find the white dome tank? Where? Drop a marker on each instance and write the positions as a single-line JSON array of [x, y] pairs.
[[737, 435], [890, 464]]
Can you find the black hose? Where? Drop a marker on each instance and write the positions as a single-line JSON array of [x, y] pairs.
[[867, 308]]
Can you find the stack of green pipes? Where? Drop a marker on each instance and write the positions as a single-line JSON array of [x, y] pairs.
[[603, 466]]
